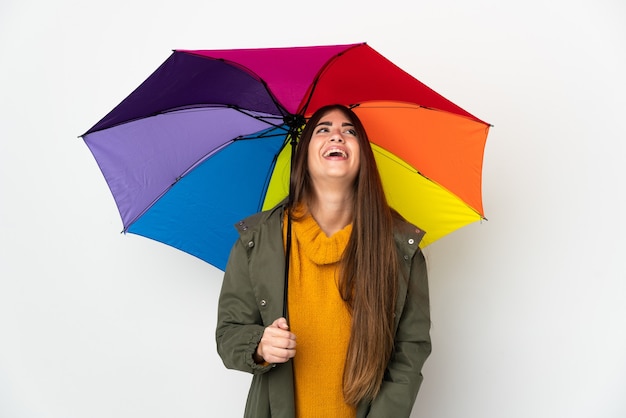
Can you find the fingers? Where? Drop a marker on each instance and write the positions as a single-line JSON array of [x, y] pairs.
[[281, 323], [278, 344]]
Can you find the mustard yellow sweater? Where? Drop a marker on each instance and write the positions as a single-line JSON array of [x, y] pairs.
[[320, 320]]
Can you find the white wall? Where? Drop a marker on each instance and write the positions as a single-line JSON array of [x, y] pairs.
[[529, 308]]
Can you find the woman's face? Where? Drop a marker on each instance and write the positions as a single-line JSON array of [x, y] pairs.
[[334, 151]]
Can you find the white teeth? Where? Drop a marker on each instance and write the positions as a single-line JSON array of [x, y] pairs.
[[335, 152]]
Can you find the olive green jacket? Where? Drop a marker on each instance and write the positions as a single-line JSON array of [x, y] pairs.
[[252, 298]]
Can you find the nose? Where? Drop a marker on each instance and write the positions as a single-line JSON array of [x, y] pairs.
[[337, 138]]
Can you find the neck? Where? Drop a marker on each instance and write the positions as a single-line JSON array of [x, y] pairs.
[[332, 211]]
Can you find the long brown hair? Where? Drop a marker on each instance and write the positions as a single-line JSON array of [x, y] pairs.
[[369, 269]]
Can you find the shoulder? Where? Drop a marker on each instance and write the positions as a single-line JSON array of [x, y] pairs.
[[260, 219], [406, 233]]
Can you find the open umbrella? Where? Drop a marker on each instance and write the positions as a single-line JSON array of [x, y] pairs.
[[204, 141]]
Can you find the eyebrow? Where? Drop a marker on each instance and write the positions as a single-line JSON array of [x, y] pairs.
[[326, 123]]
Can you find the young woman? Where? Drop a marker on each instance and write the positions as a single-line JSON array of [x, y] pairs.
[[357, 332]]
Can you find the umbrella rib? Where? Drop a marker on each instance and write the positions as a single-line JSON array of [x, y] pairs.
[[191, 107], [266, 119], [259, 136]]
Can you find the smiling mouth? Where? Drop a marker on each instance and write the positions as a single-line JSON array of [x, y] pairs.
[[333, 152]]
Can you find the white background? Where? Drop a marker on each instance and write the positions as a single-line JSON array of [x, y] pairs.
[[528, 309]]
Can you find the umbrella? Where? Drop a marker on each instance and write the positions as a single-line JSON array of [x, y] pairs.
[[204, 141]]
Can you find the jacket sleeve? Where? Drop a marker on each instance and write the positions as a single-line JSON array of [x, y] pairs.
[[239, 323], [412, 347]]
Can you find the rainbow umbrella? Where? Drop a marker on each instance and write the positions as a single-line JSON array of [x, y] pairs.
[[204, 141]]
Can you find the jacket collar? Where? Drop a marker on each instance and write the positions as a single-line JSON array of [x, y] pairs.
[[407, 236]]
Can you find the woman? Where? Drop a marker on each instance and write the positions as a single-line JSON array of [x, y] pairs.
[[357, 332]]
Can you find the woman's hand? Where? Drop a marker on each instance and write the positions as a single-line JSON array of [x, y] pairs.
[[277, 345]]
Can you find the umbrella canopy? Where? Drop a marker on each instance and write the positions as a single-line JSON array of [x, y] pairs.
[[203, 142]]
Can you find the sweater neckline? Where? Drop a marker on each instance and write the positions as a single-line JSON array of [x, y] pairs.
[[315, 245]]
